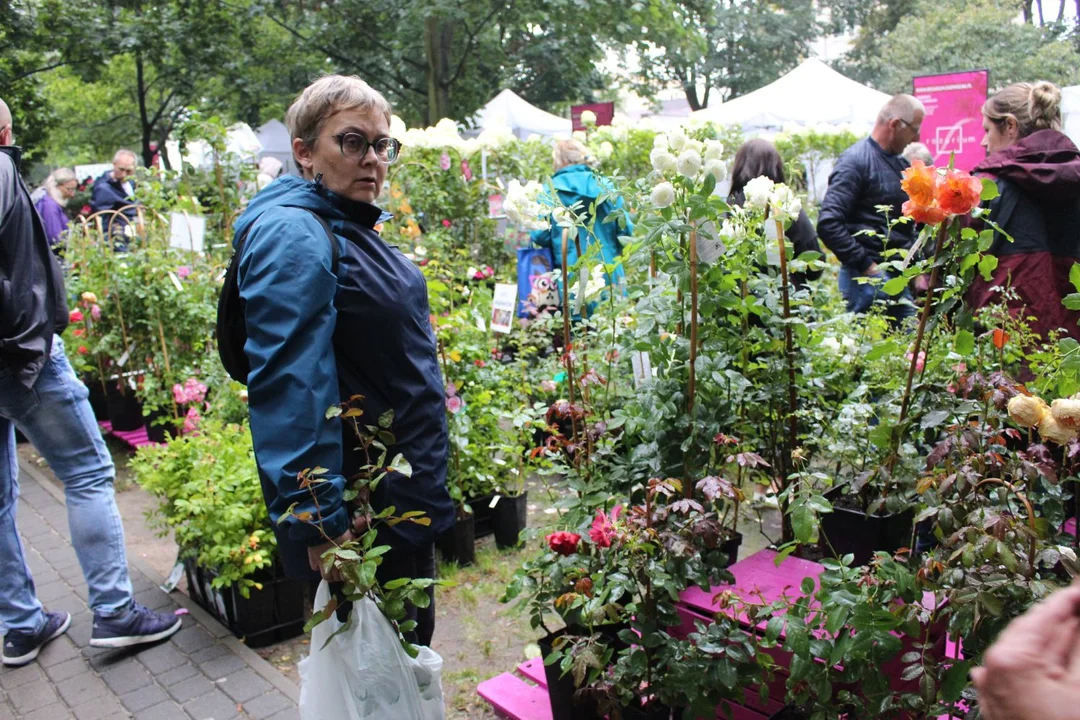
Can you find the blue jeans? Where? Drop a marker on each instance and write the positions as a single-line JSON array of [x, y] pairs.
[[56, 417], [861, 296]]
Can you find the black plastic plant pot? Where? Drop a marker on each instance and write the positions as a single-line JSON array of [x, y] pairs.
[[159, 426], [125, 412], [99, 402], [561, 690], [483, 514], [271, 615], [730, 547], [509, 517], [458, 544], [851, 530], [653, 712]]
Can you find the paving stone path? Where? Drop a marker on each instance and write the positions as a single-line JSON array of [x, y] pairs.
[[201, 673]]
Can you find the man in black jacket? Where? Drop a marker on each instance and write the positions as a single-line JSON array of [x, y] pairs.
[[867, 175], [40, 393], [114, 190]]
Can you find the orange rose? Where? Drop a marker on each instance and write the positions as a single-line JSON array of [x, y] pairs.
[[959, 193], [926, 214], [920, 183]]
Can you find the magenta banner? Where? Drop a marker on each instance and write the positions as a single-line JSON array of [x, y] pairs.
[[953, 122]]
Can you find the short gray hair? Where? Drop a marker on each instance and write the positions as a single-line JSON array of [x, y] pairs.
[[569, 152], [324, 97], [124, 151], [917, 151], [903, 107]]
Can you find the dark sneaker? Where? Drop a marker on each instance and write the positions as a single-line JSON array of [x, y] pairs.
[[22, 647], [135, 626]]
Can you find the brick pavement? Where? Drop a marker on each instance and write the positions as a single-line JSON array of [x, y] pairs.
[[201, 673]]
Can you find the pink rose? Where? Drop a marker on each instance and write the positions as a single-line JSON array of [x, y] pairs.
[[466, 170], [192, 420], [602, 531], [562, 542], [454, 404], [95, 312], [183, 271], [444, 161]]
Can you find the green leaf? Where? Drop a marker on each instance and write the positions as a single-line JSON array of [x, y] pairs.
[[333, 411], [1074, 276], [954, 680], [989, 190], [964, 344], [802, 523], [386, 419], [400, 465], [987, 266], [895, 286], [1072, 301]]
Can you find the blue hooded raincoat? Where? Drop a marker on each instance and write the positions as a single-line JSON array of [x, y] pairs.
[[580, 185], [314, 340]]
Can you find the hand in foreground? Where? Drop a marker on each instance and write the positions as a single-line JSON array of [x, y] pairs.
[[922, 284], [872, 270], [314, 555], [1032, 671]]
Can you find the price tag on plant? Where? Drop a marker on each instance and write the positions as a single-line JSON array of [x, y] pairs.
[[187, 231], [709, 245], [772, 248], [502, 307], [642, 367]]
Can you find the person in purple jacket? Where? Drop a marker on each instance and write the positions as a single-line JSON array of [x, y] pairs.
[[59, 188]]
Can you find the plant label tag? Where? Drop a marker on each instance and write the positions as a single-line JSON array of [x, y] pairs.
[[709, 245], [494, 501], [176, 282], [174, 577], [122, 361], [642, 367], [502, 307], [772, 248], [187, 232]]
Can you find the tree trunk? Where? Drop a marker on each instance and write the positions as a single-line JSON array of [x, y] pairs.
[[1026, 6], [1039, 7], [691, 96], [146, 127], [438, 44]]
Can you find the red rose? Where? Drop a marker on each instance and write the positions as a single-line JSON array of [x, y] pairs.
[[78, 332], [75, 316], [83, 350], [562, 542]]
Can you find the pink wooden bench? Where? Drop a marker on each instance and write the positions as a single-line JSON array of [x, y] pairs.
[[134, 438]]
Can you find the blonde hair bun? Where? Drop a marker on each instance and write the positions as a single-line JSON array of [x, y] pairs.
[[1045, 105]]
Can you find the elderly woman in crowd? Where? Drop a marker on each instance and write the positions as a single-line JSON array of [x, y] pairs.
[[1037, 171], [58, 189], [577, 187], [324, 326]]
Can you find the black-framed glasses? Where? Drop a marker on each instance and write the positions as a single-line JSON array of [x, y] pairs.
[[916, 129], [353, 145]]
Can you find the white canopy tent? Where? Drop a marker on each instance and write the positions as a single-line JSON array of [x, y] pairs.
[[511, 110], [240, 140], [276, 143], [1070, 111], [811, 94]]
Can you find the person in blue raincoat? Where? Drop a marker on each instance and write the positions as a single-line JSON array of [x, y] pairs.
[[316, 338], [577, 187]]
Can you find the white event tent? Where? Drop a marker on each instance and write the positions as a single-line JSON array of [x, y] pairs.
[[811, 94], [274, 137], [524, 119], [1070, 110]]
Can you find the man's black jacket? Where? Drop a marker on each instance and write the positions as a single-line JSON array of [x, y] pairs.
[[33, 305], [865, 177]]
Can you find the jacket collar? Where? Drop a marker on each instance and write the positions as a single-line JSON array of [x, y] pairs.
[[15, 153], [357, 211]]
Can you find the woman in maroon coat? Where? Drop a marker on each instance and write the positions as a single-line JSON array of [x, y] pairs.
[[1037, 171]]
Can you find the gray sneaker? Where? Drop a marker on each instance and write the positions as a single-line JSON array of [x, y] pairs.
[[135, 626], [22, 647]]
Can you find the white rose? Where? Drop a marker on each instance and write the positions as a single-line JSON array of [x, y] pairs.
[[465, 291], [689, 164], [676, 139], [663, 195], [695, 145], [662, 161], [660, 141], [785, 203], [831, 344], [397, 127], [588, 118], [716, 168], [714, 150], [446, 126], [580, 136], [620, 133], [757, 192], [605, 150]]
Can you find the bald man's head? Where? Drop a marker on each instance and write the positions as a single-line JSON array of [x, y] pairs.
[[124, 163], [898, 123], [7, 133]]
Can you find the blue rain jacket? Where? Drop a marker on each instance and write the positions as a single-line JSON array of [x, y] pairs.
[[315, 340], [580, 184]]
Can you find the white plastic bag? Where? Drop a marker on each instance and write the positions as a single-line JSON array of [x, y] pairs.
[[364, 674]]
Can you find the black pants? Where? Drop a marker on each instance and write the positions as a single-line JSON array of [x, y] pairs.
[[412, 563]]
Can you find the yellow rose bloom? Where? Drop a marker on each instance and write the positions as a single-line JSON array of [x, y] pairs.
[[1028, 410], [1050, 430], [1066, 412]]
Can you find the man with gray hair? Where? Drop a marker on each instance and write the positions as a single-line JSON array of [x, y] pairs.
[[867, 175], [115, 190], [40, 393]]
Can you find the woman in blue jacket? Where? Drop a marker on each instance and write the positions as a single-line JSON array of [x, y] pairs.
[[316, 337], [578, 187]]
